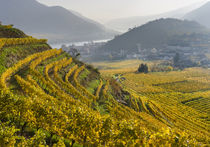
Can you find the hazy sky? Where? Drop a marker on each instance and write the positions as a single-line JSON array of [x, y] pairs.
[[104, 10]]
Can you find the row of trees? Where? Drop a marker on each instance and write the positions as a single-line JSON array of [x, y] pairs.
[[143, 68], [177, 63]]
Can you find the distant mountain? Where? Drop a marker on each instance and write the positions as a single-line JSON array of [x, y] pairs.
[[154, 34], [55, 23], [201, 15], [123, 24]]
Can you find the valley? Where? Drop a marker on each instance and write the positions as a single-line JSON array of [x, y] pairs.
[[68, 81]]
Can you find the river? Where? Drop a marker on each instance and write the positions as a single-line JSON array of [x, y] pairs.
[[58, 45]]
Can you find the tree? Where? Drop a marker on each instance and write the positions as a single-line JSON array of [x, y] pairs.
[[143, 68], [74, 52], [176, 59]]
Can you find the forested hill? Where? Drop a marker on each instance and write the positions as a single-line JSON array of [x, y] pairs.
[[49, 98], [55, 23], [154, 34]]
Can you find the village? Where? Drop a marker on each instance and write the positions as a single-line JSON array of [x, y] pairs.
[[195, 52]]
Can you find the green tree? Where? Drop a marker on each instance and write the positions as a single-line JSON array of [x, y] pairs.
[[143, 68]]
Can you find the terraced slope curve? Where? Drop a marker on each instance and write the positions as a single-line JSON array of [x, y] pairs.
[[50, 98]]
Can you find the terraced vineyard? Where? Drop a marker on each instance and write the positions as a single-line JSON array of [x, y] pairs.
[[180, 99], [50, 98]]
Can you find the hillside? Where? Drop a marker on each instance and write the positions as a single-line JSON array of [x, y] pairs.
[[50, 98], [154, 34], [123, 24], [200, 15], [8, 31], [55, 23]]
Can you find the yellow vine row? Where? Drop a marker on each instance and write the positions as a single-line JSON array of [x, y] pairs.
[[10, 71], [67, 86], [81, 88], [46, 83], [70, 73], [20, 41], [99, 89], [106, 87]]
